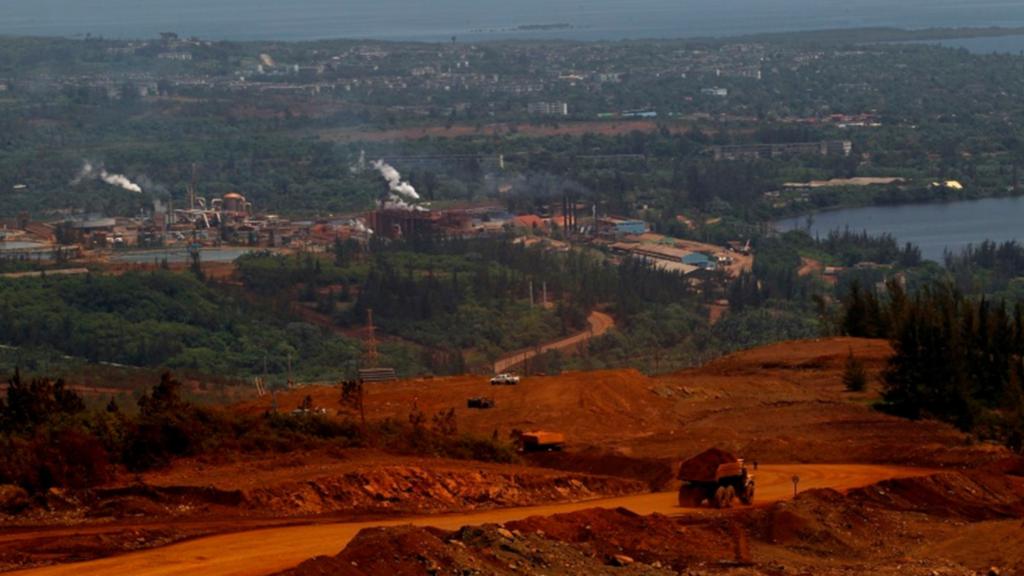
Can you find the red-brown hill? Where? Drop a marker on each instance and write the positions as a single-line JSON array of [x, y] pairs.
[[781, 403]]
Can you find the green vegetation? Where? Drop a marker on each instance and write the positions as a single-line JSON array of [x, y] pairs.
[[855, 376], [49, 439], [164, 319], [956, 359]]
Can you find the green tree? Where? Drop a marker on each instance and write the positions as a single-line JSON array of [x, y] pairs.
[[855, 376]]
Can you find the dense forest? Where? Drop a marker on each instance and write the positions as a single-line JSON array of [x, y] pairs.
[[441, 306], [163, 318], [956, 358]]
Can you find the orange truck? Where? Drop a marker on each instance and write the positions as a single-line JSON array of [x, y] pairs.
[[539, 441]]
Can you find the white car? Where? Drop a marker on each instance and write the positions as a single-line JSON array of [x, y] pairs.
[[505, 379]]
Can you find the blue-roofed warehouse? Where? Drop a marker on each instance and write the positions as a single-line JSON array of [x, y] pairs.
[[702, 261]]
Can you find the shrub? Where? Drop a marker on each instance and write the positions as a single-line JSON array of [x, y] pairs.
[[66, 458], [855, 376], [29, 405]]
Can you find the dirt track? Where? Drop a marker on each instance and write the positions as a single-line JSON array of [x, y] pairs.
[[600, 323], [270, 550]]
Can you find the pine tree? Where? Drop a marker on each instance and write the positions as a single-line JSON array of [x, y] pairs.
[[855, 376]]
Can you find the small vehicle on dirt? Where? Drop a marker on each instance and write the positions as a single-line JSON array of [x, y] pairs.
[[539, 441], [717, 477], [480, 402], [505, 379]]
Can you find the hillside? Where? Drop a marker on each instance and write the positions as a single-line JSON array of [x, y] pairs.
[[780, 403], [783, 406]]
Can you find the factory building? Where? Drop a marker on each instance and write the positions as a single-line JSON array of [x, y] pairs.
[[622, 226]]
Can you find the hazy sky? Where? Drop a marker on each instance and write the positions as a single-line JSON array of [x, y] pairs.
[[433, 19]]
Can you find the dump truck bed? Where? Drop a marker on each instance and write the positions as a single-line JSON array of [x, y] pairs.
[[543, 438], [710, 466]]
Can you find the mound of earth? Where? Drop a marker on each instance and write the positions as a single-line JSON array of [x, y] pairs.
[[415, 489], [877, 528], [651, 539], [826, 523], [363, 482], [966, 496], [598, 541]]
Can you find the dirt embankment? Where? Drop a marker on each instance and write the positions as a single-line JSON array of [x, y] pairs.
[[921, 526], [876, 529], [166, 506], [595, 541], [417, 490], [368, 484]]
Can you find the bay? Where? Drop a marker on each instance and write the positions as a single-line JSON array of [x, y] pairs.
[[438, 20], [934, 228]]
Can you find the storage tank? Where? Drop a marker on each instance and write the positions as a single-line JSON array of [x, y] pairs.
[[234, 202]]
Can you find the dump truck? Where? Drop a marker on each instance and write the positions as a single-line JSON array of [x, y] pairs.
[[717, 477], [481, 402], [539, 441]]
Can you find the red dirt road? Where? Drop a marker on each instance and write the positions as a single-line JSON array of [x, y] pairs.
[[600, 323], [270, 550]]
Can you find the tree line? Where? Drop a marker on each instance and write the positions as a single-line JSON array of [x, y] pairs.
[[956, 358]]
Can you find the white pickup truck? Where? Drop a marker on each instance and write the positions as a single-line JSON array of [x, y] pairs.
[[505, 379]]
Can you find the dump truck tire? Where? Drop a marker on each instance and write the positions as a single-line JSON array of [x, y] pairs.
[[747, 497], [719, 499], [730, 495], [689, 496]]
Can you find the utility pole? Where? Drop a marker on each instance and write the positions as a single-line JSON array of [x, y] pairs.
[[531, 293], [371, 341], [192, 189]]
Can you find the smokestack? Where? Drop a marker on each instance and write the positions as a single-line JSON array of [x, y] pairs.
[[399, 191], [565, 213], [572, 214]]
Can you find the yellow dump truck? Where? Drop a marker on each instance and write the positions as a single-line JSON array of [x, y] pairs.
[[539, 441], [717, 477]]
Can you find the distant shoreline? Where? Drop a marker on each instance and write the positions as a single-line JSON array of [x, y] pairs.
[[525, 28], [829, 36]]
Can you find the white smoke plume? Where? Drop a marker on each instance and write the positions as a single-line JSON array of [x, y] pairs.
[[395, 183], [360, 164], [360, 225], [119, 180]]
